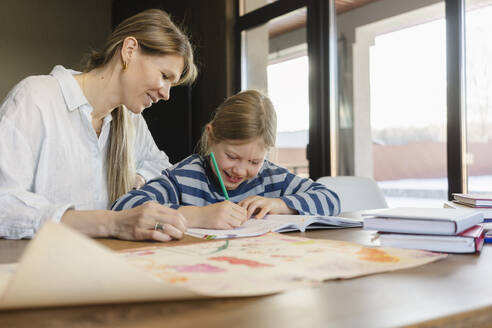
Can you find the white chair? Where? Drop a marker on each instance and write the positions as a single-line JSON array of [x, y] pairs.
[[355, 193]]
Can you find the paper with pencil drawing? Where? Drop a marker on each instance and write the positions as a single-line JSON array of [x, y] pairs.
[[276, 223], [62, 267]]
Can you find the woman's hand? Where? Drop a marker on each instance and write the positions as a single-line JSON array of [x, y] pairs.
[[139, 223], [224, 215], [261, 206]]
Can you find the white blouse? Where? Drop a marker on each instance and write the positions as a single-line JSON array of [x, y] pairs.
[[51, 159]]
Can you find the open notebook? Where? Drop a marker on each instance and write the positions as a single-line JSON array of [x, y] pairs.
[[276, 223]]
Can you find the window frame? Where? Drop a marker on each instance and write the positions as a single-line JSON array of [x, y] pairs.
[[321, 41], [323, 93]]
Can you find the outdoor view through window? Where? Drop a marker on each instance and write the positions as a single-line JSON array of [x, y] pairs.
[[290, 78], [408, 110]]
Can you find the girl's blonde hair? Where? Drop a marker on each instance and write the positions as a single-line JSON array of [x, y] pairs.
[[244, 116], [156, 35]]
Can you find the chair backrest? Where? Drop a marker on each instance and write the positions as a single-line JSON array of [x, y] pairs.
[[356, 193]]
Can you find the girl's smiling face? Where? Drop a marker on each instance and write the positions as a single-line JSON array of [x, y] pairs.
[[238, 161]]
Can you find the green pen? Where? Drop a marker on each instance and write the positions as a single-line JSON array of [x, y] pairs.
[[220, 178]]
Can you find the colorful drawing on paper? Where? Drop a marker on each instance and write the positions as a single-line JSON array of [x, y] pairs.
[[198, 268], [376, 255], [270, 263], [223, 247], [237, 261]]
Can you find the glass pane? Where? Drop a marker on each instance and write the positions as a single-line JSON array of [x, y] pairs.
[[393, 101], [479, 95], [274, 60], [408, 114]]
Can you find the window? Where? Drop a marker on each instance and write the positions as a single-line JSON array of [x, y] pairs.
[[399, 100], [408, 114], [274, 60], [289, 92], [479, 95]]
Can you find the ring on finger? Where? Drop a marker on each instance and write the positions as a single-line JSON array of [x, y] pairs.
[[159, 227]]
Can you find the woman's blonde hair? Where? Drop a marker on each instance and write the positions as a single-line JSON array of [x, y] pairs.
[[156, 34], [244, 116]]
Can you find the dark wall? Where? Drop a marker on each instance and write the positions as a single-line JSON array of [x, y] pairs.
[[37, 35], [176, 124]]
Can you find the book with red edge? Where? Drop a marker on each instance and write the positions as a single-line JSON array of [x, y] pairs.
[[469, 241], [475, 200]]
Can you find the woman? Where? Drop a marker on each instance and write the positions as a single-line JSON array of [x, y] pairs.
[[71, 144]]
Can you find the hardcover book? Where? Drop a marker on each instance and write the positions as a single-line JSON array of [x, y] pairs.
[[477, 200], [488, 237], [487, 212], [469, 241], [433, 221]]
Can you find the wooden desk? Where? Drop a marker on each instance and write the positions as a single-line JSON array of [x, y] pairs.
[[454, 292]]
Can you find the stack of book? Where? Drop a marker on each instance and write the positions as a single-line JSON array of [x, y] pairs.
[[433, 229], [474, 200], [478, 202]]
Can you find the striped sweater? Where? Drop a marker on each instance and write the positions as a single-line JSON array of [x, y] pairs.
[[192, 182]]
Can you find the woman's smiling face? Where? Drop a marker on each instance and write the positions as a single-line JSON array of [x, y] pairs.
[[148, 79], [238, 161]]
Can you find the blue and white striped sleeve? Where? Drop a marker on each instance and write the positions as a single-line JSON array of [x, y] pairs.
[[162, 190], [309, 197]]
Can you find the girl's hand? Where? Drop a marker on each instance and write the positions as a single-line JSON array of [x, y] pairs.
[[224, 215], [139, 223], [261, 206], [139, 181]]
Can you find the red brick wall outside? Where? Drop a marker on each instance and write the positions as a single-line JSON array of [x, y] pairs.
[[292, 158], [425, 159], [411, 160], [415, 160]]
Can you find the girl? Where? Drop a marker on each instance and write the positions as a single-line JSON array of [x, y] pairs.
[[71, 143], [240, 135]]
